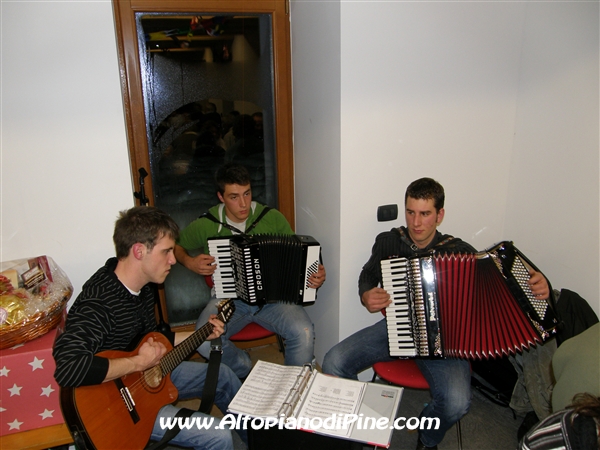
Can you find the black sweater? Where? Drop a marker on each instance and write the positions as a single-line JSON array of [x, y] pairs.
[[397, 244], [105, 316]]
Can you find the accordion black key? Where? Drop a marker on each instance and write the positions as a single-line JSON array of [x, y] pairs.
[[474, 306], [265, 268]]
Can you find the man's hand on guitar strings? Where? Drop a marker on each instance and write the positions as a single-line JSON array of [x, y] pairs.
[[149, 354]]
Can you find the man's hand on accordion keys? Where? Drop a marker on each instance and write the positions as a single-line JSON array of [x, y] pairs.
[[202, 264], [316, 280], [539, 285], [375, 299]]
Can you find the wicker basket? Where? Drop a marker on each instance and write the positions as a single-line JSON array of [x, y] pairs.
[[45, 302], [37, 325]]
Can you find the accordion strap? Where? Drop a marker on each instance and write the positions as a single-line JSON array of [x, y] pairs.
[[414, 247], [209, 216]]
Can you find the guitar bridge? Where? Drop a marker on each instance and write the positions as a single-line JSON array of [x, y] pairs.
[[128, 400], [126, 395]]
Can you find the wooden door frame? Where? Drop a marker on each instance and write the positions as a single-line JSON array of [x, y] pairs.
[[133, 99]]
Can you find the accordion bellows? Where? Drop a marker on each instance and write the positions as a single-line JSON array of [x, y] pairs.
[[473, 306]]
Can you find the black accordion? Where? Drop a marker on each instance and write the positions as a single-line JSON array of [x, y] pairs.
[[474, 306], [265, 268]]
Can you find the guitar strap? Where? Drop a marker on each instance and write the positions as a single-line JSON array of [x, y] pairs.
[[212, 376], [171, 433]]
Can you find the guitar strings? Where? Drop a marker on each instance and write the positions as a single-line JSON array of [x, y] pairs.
[[164, 366], [175, 353]]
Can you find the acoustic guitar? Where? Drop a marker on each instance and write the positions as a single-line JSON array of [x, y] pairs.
[[120, 414]]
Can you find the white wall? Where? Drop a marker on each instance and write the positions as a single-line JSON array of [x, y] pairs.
[[431, 93], [554, 210], [65, 165], [316, 97], [484, 97]]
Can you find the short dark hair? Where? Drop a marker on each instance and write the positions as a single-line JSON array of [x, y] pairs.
[[231, 173], [143, 224], [426, 189]]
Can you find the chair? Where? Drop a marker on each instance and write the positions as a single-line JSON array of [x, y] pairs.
[[406, 373], [255, 332]]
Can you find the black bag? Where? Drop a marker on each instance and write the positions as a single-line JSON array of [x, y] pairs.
[[495, 379]]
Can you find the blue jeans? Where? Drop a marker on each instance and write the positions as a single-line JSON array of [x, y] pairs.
[[287, 320], [449, 379], [189, 379]]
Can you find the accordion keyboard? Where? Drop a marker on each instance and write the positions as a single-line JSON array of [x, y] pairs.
[[223, 276], [394, 274]]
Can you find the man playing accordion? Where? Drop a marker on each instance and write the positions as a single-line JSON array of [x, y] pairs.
[[237, 214], [449, 379]]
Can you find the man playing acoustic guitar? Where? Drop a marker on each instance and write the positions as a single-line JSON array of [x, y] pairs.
[[116, 305]]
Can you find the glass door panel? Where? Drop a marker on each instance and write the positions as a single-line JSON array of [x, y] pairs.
[[208, 99]]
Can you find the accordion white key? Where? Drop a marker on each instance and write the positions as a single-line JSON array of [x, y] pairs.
[[224, 282]]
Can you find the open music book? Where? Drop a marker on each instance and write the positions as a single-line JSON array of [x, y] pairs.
[[298, 397]]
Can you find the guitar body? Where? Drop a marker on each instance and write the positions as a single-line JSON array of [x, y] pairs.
[[120, 414], [98, 415]]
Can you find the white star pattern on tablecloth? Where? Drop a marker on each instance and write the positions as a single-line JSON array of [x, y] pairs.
[[29, 397], [47, 391], [46, 414], [15, 425], [15, 390], [36, 363]]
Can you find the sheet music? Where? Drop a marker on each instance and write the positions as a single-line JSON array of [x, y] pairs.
[[322, 403], [331, 396], [266, 389]]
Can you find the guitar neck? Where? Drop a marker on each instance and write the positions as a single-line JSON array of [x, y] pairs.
[[174, 357]]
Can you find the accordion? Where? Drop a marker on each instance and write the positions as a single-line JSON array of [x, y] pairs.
[[474, 306], [265, 268]]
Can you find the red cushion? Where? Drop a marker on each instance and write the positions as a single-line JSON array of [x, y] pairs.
[[251, 332], [403, 372]]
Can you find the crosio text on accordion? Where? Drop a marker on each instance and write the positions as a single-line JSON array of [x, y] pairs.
[[474, 306], [265, 268]]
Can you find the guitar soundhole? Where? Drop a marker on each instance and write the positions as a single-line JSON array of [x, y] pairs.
[[153, 377]]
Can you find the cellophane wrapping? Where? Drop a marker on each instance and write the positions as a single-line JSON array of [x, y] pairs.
[[33, 294]]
